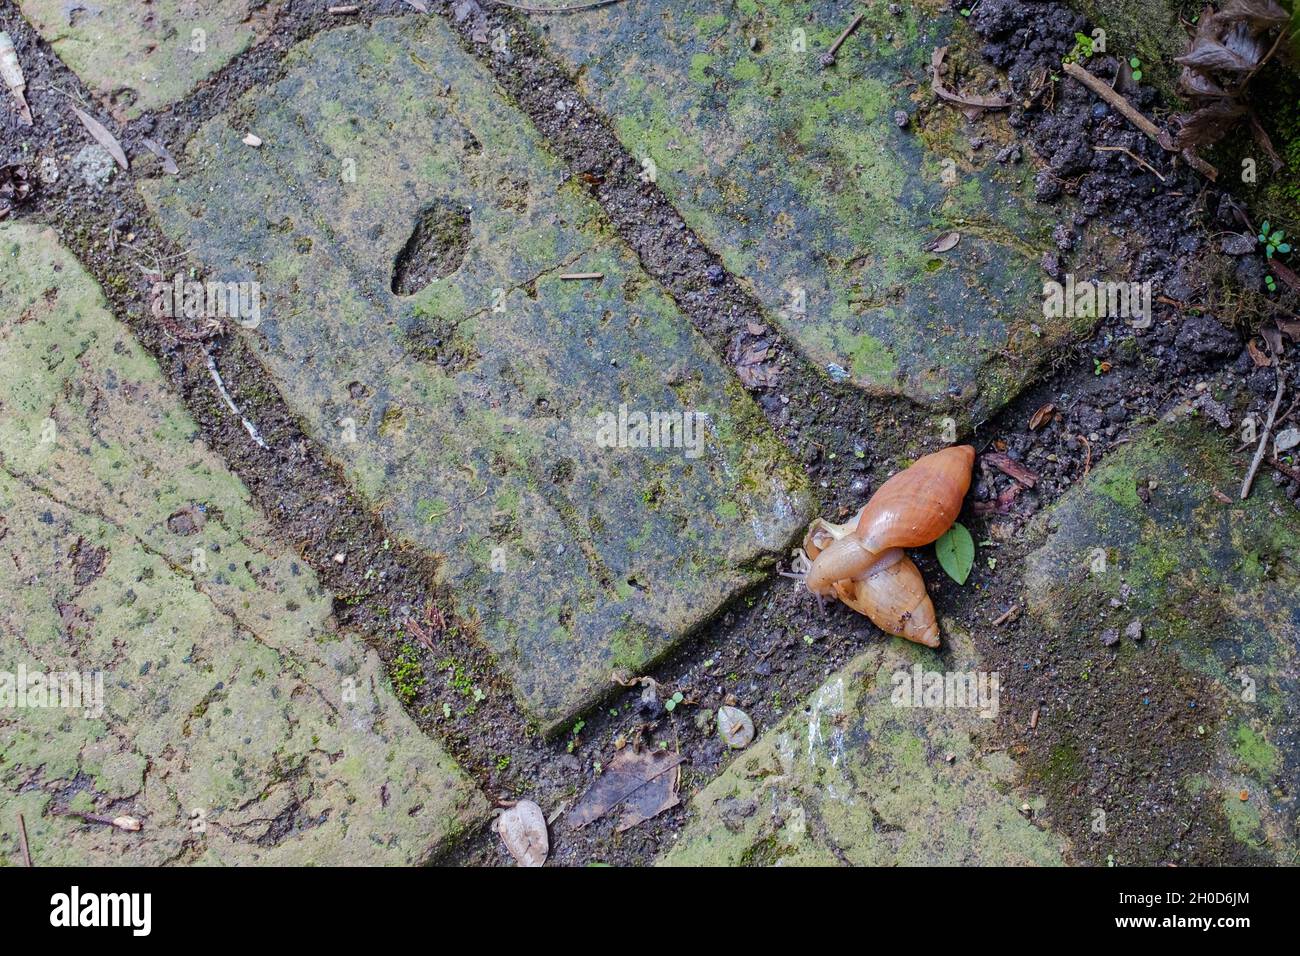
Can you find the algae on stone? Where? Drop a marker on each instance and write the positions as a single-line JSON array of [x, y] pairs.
[[146, 55], [1215, 580], [860, 777], [236, 721], [465, 411], [801, 180]]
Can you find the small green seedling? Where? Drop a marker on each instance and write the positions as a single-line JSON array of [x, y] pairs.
[[577, 729], [1273, 242], [1083, 49], [1136, 65], [671, 703], [1270, 283]]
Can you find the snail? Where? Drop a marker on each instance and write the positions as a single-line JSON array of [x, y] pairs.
[[862, 561]]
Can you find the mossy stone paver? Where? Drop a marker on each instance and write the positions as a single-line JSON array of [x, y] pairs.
[[800, 179], [466, 410], [231, 704], [147, 55], [1218, 581], [857, 777]]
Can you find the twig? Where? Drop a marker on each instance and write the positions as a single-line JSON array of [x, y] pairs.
[[582, 275], [828, 58], [22, 834], [1263, 438], [1284, 468], [1087, 461], [1130, 113], [1005, 615], [575, 8], [1133, 156], [230, 402], [122, 823]]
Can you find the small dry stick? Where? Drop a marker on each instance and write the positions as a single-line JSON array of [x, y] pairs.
[[349, 8], [828, 58], [570, 9], [1130, 113], [583, 275], [1005, 616], [22, 833], [122, 823], [1263, 438], [1033, 719], [1133, 156]]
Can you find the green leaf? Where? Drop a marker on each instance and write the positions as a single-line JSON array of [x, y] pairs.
[[1134, 62], [1137, 76], [1264, 229], [956, 552], [1284, 248]]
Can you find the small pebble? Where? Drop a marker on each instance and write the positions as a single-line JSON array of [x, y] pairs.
[[901, 119]]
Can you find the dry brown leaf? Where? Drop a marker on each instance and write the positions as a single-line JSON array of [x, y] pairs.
[[643, 782], [102, 136], [973, 100], [159, 150], [736, 727], [1011, 468], [522, 829], [1041, 417], [944, 242], [1257, 355]]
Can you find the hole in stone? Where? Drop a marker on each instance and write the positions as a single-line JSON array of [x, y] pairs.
[[435, 249]]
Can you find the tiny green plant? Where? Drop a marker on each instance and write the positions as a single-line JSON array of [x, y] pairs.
[[1274, 241], [1083, 49], [1136, 66], [1270, 283], [671, 703], [573, 739]]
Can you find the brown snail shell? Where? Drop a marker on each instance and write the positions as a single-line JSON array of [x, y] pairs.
[[861, 561], [917, 505], [892, 594]]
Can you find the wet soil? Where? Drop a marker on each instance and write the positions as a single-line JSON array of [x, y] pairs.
[[772, 647]]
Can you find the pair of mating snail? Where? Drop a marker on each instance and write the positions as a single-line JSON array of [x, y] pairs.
[[862, 563]]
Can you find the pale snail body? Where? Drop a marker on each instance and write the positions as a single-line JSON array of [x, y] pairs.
[[862, 563]]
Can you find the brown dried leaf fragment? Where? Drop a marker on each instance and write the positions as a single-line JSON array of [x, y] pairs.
[[643, 782], [102, 136], [975, 101]]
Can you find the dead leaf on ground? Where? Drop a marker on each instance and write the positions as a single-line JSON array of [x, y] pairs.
[[159, 150], [1011, 468], [943, 243], [1041, 417], [1257, 355], [973, 100], [736, 727], [15, 186], [522, 829], [643, 782], [102, 136]]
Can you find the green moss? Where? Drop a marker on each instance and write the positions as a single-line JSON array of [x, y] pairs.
[[407, 674], [1255, 752]]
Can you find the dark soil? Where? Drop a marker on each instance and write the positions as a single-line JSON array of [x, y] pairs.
[[774, 646]]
